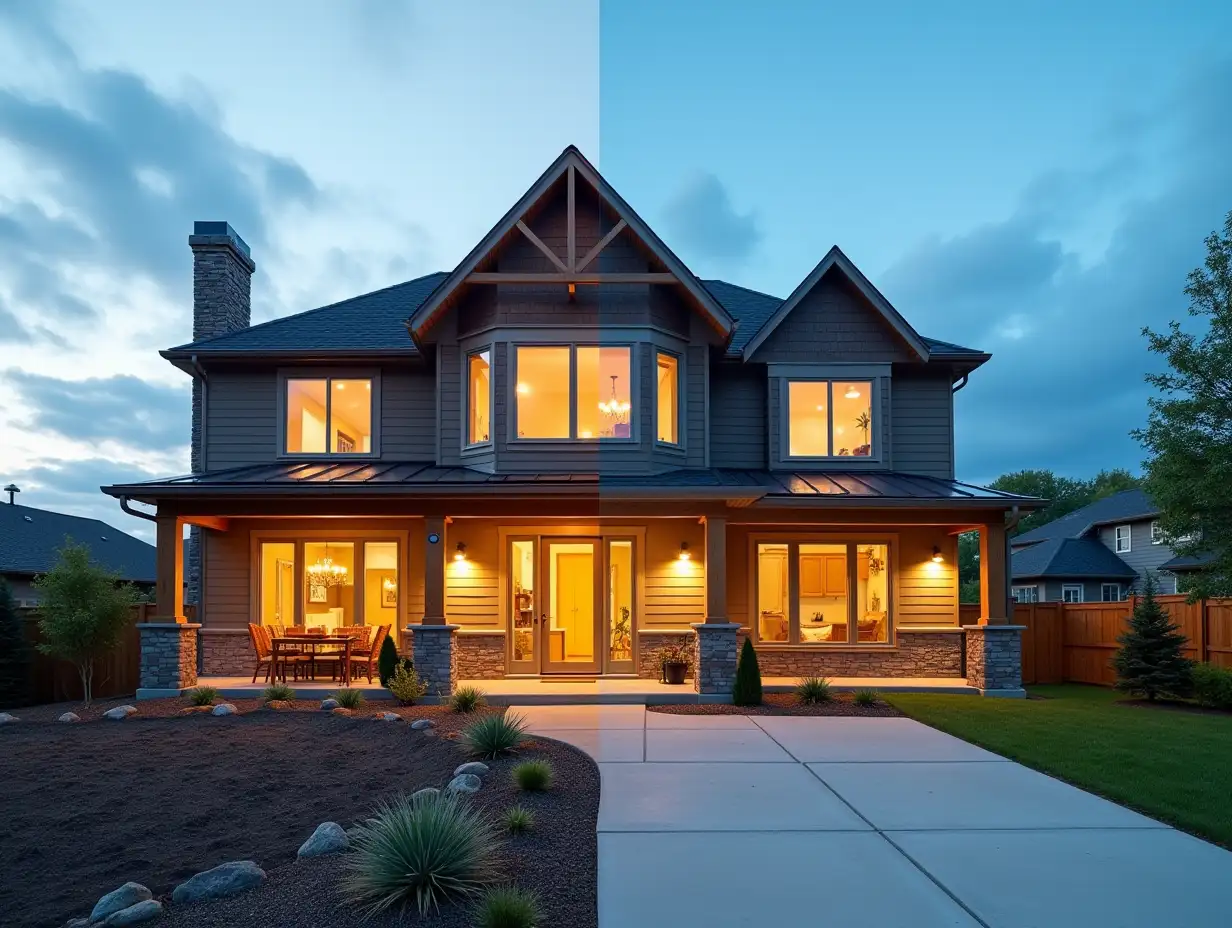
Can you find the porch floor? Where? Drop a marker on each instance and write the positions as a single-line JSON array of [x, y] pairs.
[[605, 690]]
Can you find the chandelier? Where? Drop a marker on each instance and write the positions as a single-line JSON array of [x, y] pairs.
[[615, 409], [326, 573]]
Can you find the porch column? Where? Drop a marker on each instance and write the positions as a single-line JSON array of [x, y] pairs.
[[434, 648], [714, 651], [994, 594], [169, 643], [994, 646], [716, 570]]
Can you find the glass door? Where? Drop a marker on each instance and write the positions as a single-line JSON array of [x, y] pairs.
[[571, 612], [621, 622]]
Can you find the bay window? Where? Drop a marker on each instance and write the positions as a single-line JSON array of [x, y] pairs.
[[328, 415], [667, 388], [479, 398], [573, 392], [830, 418]]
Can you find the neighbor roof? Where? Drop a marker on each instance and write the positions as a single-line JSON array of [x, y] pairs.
[[1126, 506], [30, 541], [1067, 557], [1182, 563]]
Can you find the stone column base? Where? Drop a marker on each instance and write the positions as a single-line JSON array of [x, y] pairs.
[[994, 659], [714, 661], [168, 658], [434, 651]]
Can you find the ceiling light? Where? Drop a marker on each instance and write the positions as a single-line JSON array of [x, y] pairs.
[[523, 388], [852, 393], [340, 386]]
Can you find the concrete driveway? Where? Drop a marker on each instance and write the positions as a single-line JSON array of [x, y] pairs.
[[754, 821]]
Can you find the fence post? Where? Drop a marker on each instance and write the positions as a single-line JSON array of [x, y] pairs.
[[1203, 637]]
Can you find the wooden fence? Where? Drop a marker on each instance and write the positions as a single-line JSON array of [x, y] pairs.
[[1075, 642]]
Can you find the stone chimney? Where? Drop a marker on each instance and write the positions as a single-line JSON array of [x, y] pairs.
[[222, 303]]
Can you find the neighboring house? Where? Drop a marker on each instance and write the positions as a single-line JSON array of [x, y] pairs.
[[1099, 553], [31, 539], [569, 451]]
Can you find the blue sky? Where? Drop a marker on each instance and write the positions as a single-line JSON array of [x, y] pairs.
[[1034, 181]]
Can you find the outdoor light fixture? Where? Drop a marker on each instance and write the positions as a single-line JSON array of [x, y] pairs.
[[684, 551], [460, 553], [936, 555]]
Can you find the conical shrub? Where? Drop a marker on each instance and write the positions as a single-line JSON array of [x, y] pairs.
[[747, 691], [387, 660]]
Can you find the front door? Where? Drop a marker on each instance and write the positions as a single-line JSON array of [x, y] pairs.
[[571, 610]]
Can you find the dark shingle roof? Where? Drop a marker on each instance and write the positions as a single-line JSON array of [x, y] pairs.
[[1119, 507], [377, 322], [30, 540], [1067, 557], [1187, 562]]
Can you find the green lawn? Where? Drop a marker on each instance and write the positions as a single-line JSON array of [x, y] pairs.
[[1173, 765]]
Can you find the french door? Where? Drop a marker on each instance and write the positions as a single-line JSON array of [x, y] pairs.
[[572, 609]]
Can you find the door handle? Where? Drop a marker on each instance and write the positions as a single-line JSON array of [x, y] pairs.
[[543, 617]]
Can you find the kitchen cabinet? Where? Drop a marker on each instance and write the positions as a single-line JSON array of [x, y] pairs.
[[823, 575]]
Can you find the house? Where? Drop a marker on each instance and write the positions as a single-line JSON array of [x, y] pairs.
[[1099, 553], [31, 539], [568, 452]]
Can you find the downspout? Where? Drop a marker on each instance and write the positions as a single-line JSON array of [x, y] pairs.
[[135, 512], [1010, 525], [961, 383]]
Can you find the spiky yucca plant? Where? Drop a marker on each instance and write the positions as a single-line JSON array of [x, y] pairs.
[[534, 776], [866, 698], [349, 698], [278, 692], [466, 699], [507, 907], [494, 735], [519, 819], [812, 691], [202, 696]]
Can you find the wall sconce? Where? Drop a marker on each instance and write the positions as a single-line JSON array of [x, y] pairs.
[[937, 559], [684, 551], [460, 553]]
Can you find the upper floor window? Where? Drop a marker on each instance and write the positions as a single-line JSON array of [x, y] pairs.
[[479, 398], [574, 391], [1157, 534], [667, 388], [328, 415], [829, 418], [1121, 533]]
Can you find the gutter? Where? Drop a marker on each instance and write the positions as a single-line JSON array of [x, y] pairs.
[[962, 383], [135, 512]]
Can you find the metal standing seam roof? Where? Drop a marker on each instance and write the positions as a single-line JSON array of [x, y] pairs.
[[31, 539]]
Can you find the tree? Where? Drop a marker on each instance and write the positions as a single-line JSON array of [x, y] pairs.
[[387, 660], [747, 691], [969, 567], [1189, 424], [14, 652], [1150, 662], [84, 611]]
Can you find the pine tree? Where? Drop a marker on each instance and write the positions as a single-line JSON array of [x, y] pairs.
[[1150, 662], [387, 660], [747, 691], [15, 654]]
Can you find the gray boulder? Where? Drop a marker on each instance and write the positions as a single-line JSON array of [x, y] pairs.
[[464, 783], [328, 704], [122, 898], [421, 724], [224, 880], [224, 708], [390, 717], [6, 719], [426, 793], [69, 717], [473, 766], [329, 838], [119, 713], [135, 914]]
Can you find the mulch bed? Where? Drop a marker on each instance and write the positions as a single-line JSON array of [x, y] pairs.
[[781, 704], [159, 797]]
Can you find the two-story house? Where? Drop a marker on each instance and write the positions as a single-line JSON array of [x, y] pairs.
[[569, 451], [1099, 553]]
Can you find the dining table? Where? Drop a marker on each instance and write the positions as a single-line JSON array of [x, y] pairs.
[[284, 645]]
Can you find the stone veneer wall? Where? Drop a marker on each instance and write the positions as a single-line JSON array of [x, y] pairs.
[[714, 661], [434, 651], [168, 655], [649, 643], [994, 657], [481, 657], [227, 653], [917, 654]]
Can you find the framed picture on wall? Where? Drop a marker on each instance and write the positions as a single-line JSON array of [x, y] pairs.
[[389, 594], [317, 593]]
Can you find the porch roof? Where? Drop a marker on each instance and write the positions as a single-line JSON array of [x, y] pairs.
[[416, 478]]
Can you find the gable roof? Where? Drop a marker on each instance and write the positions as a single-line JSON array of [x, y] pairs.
[[31, 539], [571, 158], [1068, 557], [1126, 506], [836, 260]]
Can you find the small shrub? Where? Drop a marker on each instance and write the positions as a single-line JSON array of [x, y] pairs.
[[387, 660], [202, 696], [278, 692], [534, 776], [747, 691], [430, 851], [1212, 686], [349, 699], [519, 820], [406, 685], [508, 907], [812, 691], [494, 735], [466, 699], [15, 653], [866, 698]]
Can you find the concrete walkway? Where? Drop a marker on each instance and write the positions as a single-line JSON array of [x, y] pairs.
[[752, 821]]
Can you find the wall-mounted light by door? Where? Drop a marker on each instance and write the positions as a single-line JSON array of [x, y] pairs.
[[460, 553], [684, 554], [937, 558]]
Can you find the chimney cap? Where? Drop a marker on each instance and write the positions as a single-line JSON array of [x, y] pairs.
[[211, 227]]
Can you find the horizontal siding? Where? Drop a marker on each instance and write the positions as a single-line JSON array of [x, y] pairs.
[[472, 588], [927, 592], [241, 410], [675, 590], [738, 416], [408, 416], [923, 425], [228, 578], [1142, 556]]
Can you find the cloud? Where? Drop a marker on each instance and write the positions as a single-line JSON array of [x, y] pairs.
[[122, 408], [382, 30], [1060, 290], [73, 487], [702, 219]]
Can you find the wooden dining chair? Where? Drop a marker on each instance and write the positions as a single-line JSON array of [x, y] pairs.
[[365, 658]]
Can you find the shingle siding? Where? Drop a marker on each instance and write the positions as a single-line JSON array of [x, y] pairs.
[[922, 408], [738, 416]]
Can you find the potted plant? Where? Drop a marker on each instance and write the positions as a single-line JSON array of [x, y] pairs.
[[674, 660]]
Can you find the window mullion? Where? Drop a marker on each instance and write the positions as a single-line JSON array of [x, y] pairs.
[[793, 592], [329, 402], [853, 588], [573, 393], [830, 418]]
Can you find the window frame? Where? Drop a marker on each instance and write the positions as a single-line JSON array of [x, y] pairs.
[[1033, 587], [853, 543], [1157, 533], [634, 394], [1103, 592], [1116, 539], [468, 446], [678, 444], [874, 439], [1079, 588], [328, 375]]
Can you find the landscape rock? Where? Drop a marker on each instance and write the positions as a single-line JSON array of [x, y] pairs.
[[329, 838], [328, 704], [224, 880], [389, 717], [127, 895], [422, 724], [341, 711], [195, 710], [135, 914], [279, 704], [119, 713], [69, 717], [473, 766], [6, 719], [426, 793], [464, 783], [224, 708], [429, 733]]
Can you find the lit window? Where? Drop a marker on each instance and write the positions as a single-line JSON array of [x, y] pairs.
[[604, 397], [277, 583], [328, 415], [1071, 593], [479, 391], [1122, 539], [668, 392], [599, 378], [542, 392], [829, 418]]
